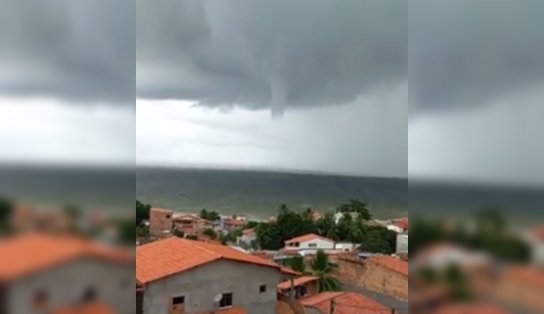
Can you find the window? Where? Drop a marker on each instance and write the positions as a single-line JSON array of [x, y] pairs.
[[312, 245], [167, 216], [178, 300], [89, 295], [40, 299], [178, 304], [262, 288], [226, 300]]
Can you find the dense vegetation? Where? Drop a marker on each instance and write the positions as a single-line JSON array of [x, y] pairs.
[[485, 231], [349, 222]]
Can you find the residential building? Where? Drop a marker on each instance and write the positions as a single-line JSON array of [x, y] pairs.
[[191, 224], [230, 224], [399, 225], [177, 275], [309, 243], [300, 287], [42, 273], [345, 246], [160, 222], [248, 238]]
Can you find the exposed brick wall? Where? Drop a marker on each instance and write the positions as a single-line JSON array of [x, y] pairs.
[[372, 276], [159, 220]]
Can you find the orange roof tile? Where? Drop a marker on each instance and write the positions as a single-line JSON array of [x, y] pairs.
[[92, 308], [283, 307], [470, 309], [34, 252], [296, 282], [174, 255], [526, 274], [307, 237], [390, 262], [344, 303], [401, 223]]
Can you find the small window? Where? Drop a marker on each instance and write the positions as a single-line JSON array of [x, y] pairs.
[[89, 295], [262, 288], [167, 216], [40, 299], [178, 300], [226, 300], [312, 245]]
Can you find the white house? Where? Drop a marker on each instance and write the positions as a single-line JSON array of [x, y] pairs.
[[398, 225], [248, 238], [309, 243], [345, 246]]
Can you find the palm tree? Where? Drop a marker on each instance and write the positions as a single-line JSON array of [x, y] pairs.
[[322, 268]]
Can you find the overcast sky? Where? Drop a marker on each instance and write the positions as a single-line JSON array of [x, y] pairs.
[[67, 81], [476, 73], [295, 85]]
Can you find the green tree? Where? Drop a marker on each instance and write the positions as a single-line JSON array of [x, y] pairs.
[[127, 231], [322, 268], [6, 209], [210, 233], [209, 215], [142, 212], [357, 207], [326, 226], [296, 263]]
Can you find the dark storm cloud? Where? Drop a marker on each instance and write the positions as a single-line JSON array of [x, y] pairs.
[[465, 52], [77, 50], [269, 54]]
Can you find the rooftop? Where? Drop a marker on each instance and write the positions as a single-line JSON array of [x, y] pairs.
[[308, 237], [390, 262], [35, 252], [296, 282], [174, 255], [344, 303]]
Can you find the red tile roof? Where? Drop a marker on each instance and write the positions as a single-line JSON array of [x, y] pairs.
[[92, 308], [174, 255], [470, 309], [307, 237], [390, 262], [234, 222], [296, 282], [35, 252], [344, 303]]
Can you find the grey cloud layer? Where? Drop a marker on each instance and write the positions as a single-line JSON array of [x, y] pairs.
[[464, 52], [269, 54], [79, 50]]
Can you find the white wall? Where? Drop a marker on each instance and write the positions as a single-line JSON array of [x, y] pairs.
[[200, 285], [320, 244], [66, 283]]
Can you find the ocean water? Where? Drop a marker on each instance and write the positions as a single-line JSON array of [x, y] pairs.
[[259, 194]]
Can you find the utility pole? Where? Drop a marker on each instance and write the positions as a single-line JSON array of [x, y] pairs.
[[331, 310]]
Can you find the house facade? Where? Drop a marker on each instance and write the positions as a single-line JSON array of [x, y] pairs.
[[91, 276], [309, 243], [160, 222], [183, 276]]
